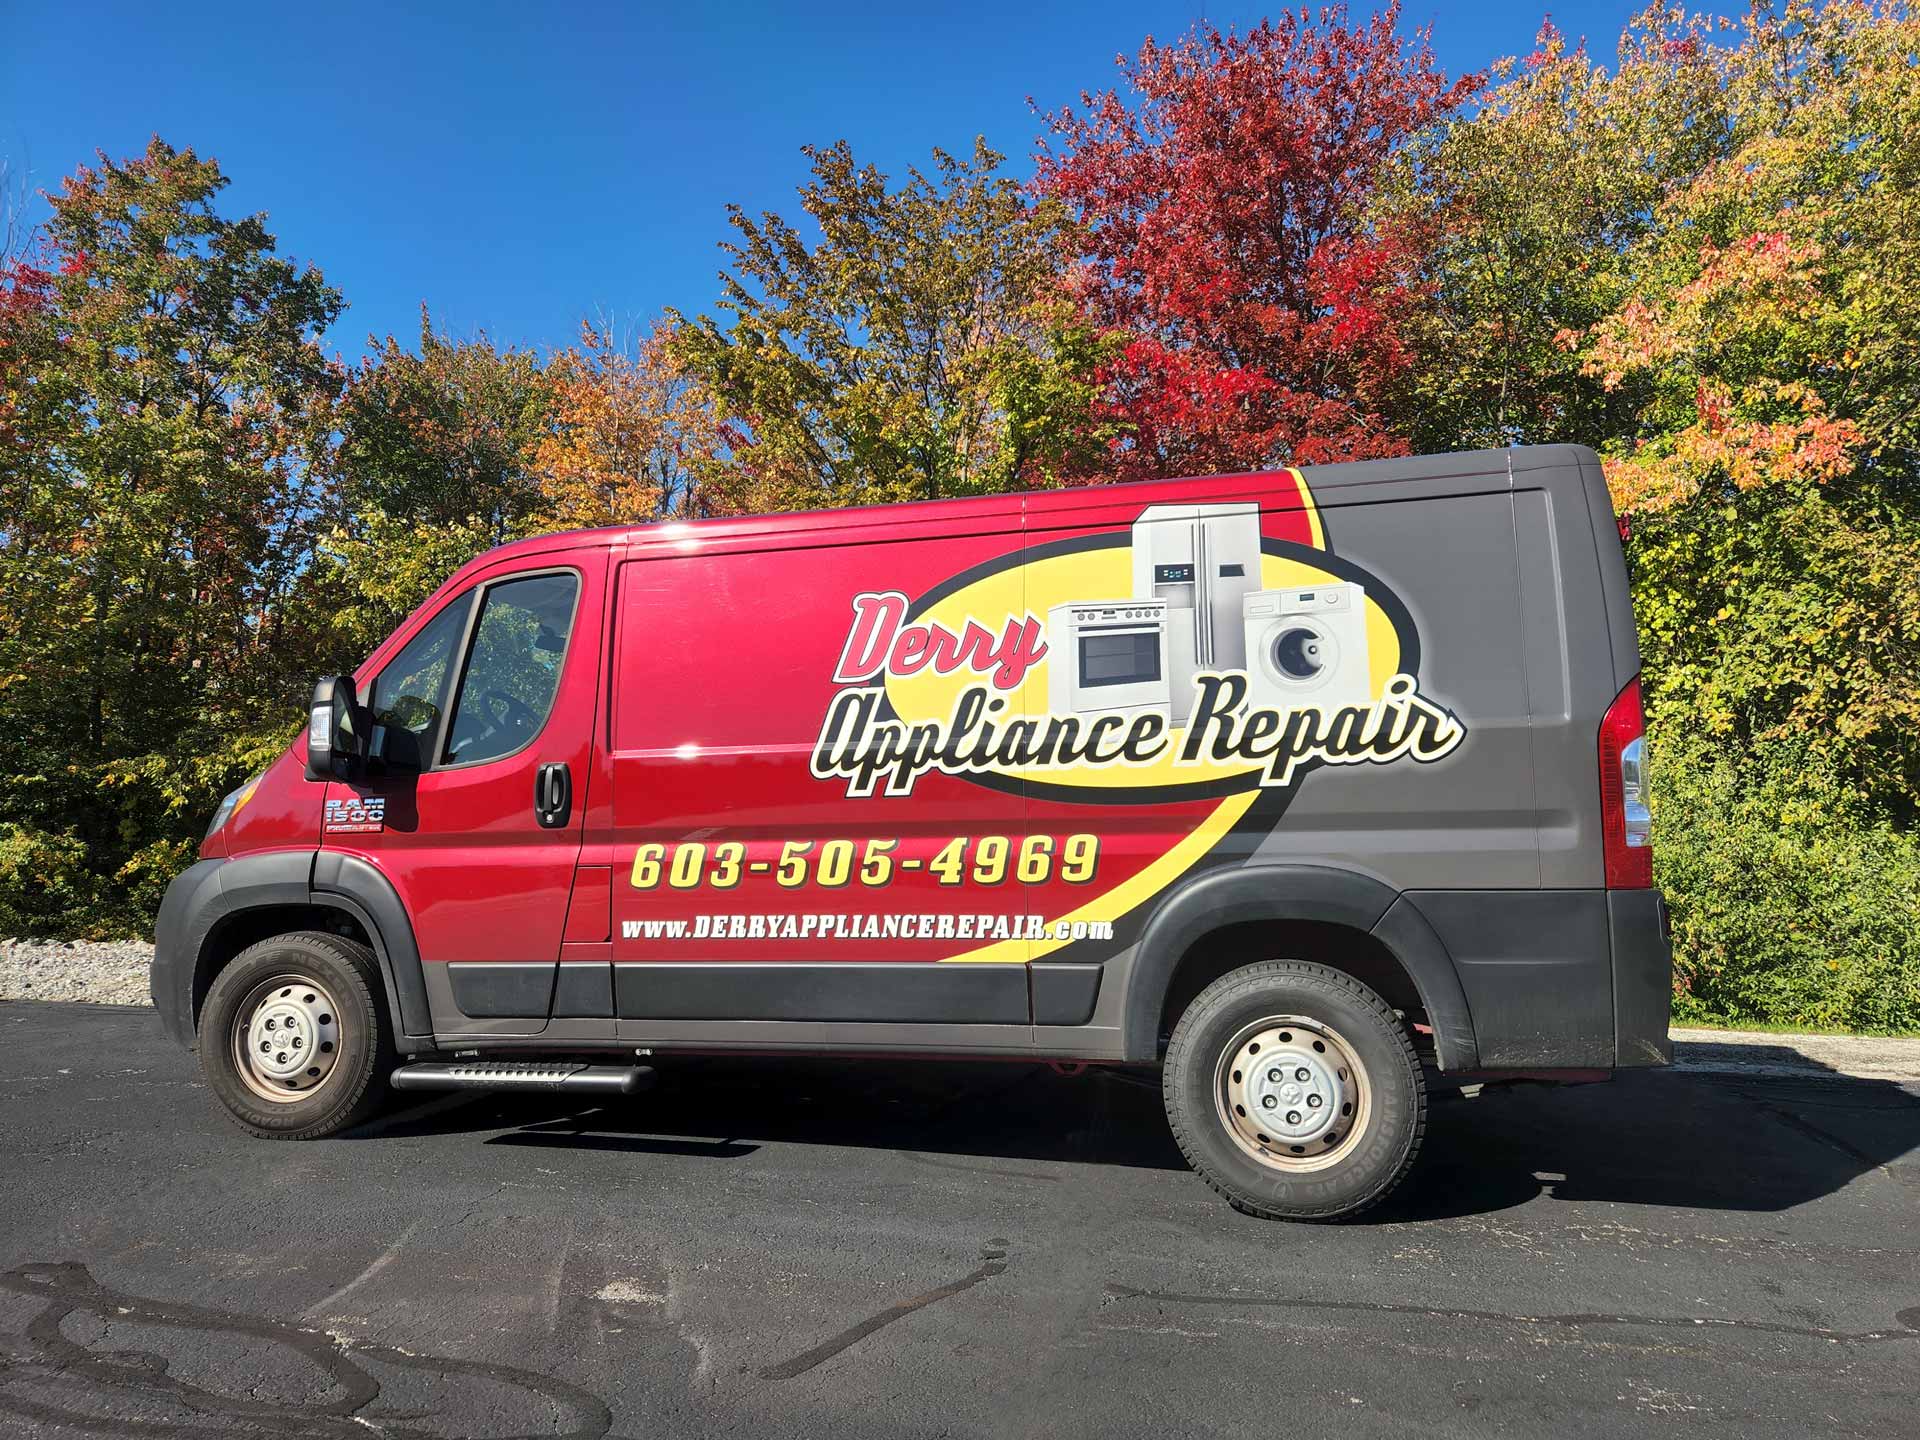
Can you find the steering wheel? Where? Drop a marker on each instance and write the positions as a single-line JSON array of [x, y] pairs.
[[519, 715]]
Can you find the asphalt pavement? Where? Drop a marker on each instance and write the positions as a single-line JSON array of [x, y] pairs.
[[765, 1247]]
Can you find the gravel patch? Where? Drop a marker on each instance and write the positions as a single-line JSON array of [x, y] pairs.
[[1759, 1052], [99, 972]]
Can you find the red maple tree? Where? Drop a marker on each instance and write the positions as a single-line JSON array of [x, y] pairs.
[[1220, 200]]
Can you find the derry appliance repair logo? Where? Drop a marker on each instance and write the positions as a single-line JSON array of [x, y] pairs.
[[1221, 668]]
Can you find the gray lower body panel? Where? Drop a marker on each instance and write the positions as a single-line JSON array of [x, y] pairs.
[[1065, 994], [867, 993], [1537, 969], [496, 990], [584, 990]]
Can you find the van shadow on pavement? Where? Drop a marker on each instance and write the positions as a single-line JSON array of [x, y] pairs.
[[1702, 1141]]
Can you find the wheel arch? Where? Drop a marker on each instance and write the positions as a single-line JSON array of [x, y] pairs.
[[1326, 904], [231, 904]]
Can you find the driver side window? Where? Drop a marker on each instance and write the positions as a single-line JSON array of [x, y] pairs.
[[513, 667]]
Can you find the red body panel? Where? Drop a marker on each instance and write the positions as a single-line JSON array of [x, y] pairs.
[[726, 666], [281, 813], [730, 646]]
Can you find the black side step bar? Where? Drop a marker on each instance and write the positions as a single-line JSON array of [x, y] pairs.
[[524, 1075]]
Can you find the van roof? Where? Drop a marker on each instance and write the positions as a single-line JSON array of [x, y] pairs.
[[898, 519]]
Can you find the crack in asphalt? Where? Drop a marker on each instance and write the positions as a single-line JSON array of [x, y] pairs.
[[68, 1288], [1909, 1318], [993, 1261]]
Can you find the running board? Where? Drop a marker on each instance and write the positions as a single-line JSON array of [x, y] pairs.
[[524, 1075]]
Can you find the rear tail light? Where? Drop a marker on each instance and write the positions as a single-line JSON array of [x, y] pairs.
[[1624, 819]]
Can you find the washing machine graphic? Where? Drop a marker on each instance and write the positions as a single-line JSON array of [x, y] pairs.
[[1308, 647]]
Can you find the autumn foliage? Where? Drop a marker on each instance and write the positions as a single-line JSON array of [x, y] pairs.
[[1222, 192], [634, 437], [924, 345]]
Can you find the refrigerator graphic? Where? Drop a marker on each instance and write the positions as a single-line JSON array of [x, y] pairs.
[[1203, 561]]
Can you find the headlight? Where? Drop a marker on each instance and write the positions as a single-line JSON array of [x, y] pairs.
[[228, 805]]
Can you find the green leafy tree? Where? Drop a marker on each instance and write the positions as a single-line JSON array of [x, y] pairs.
[[1773, 481], [1705, 263], [1522, 215], [437, 464], [920, 347], [164, 403]]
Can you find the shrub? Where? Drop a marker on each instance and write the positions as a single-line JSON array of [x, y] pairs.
[[1792, 901], [46, 884]]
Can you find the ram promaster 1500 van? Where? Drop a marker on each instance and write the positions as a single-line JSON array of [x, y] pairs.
[[1292, 784]]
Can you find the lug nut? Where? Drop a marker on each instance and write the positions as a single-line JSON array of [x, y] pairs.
[[1313, 1102], [1274, 1076], [1269, 1102], [1293, 1117], [1302, 1073]]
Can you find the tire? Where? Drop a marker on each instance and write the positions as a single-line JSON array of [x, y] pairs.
[[1322, 1159], [305, 1005]]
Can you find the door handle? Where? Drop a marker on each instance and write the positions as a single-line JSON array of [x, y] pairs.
[[552, 795]]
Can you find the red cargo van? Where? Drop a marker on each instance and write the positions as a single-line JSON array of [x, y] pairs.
[[1290, 783]]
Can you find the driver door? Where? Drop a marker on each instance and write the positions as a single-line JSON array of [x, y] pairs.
[[490, 698]]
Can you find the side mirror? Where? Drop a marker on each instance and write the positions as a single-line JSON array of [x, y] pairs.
[[336, 736]]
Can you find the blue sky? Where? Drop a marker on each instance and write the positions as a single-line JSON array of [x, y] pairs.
[[519, 166]]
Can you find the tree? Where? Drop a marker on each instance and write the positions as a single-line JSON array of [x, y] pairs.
[[443, 436], [635, 436], [1709, 275], [1771, 467], [1524, 213], [919, 348], [163, 405], [1220, 205], [435, 466]]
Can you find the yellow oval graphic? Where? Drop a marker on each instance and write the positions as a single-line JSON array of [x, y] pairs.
[[1034, 587]]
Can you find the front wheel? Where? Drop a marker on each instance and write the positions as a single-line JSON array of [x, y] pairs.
[[291, 1036], [1294, 1091]]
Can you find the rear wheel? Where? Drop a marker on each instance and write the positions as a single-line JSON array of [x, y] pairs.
[[292, 1039], [1294, 1091]]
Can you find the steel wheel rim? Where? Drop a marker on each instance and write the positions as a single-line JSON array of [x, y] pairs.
[[286, 1038], [1292, 1094]]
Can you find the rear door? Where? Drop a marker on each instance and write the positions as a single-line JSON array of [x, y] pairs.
[[485, 720]]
